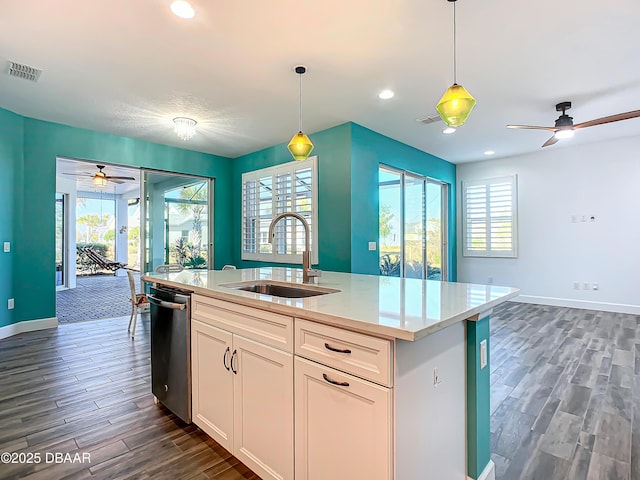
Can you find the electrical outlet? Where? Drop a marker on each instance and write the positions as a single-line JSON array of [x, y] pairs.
[[576, 285], [10, 304], [585, 285], [372, 246], [489, 280], [574, 218], [483, 354]]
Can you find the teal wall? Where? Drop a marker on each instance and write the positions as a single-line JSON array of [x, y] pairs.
[[34, 191], [478, 399], [369, 150], [332, 146], [11, 152]]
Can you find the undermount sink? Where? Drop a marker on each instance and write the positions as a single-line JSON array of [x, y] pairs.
[[280, 289]]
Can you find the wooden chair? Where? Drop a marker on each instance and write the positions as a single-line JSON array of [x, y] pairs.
[[138, 301]]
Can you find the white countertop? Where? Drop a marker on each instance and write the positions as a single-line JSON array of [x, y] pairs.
[[392, 307]]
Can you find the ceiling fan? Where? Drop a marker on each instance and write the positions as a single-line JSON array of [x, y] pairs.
[[565, 127], [100, 178]]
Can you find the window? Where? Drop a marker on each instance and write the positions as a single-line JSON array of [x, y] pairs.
[[290, 187], [489, 216]]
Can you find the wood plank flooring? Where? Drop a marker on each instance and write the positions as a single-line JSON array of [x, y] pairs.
[[85, 388], [565, 386], [564, 393]]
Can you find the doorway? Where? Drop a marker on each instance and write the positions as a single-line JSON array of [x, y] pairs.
[[413, 225], [132, 209], [178, 220]]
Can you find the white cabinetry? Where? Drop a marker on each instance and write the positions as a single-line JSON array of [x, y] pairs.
[[343, 423], [243, 388]]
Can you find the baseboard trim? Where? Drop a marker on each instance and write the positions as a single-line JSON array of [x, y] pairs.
[[28, 326], [489, 472], [566, 302]]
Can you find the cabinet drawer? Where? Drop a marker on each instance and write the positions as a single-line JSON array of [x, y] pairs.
[[265, 327], [361, 355]]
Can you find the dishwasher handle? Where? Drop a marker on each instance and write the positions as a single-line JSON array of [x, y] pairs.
[[162, 303]]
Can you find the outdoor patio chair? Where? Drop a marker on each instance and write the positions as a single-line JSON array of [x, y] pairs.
[[139, 302], [101, 261]]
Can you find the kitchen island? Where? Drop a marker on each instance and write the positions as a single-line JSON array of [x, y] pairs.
[[374, 377]]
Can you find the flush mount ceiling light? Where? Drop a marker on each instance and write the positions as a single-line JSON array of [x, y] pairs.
[[386, 94], [456, 104], [448, 130], [489, 152], [184, 127], [182, 9], [300, 146]]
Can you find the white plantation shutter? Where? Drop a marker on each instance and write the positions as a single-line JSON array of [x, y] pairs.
[[290, 187], [489, 217]]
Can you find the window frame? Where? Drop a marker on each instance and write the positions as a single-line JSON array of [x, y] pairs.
[[273, 172], [488, 183]]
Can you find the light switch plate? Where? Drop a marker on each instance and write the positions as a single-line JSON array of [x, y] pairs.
[[7, 246], [372, 246], [483, 354]]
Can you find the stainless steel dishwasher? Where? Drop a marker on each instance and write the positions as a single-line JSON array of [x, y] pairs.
[[171, 349]]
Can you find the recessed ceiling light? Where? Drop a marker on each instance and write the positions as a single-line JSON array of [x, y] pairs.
[[386, 94], [489, 152], [182, 9], [449, 130]]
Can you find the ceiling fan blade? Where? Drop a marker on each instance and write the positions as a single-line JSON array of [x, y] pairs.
[[79, 174], [609, 119], [114, 180], [119, 178], [533, 127], [551, 141]]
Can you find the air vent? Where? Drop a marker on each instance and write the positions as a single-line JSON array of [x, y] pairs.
[[24, 71], [429, 119]]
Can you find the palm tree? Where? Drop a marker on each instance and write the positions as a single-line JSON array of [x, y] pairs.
[[197, 192]]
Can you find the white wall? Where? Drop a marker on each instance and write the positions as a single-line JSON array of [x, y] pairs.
[[601, 179]]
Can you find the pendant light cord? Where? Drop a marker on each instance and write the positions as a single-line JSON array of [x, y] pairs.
[[455, 68], [300, 101]]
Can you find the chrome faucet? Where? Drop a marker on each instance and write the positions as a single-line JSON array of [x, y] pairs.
[[307, 272]]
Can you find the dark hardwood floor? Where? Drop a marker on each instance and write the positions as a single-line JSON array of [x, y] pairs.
[[565, 384], [85, 388]]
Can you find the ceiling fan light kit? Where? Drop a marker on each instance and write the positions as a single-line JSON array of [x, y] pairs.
[[300, 146], [565, 128], [456, 103], [100, 179]]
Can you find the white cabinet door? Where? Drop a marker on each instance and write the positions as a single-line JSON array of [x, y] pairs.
[[343, 425], [212, 383], [263, 408]]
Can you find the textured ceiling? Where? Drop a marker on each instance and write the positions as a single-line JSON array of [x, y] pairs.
[[128, 67]]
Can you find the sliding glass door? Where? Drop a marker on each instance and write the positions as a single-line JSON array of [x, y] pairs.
[[177, 220], [412, 225]]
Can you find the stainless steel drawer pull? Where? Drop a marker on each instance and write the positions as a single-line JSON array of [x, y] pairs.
[[224, 358], [329, 347], [333, 382]]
